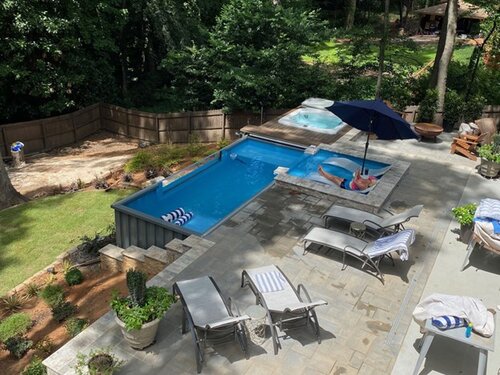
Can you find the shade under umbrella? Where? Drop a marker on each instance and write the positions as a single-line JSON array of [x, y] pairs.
[[373, 116]]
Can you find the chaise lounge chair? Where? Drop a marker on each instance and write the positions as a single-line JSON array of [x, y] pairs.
[[352, 166], [284, 304], [382, 225], [209, 317], [368, 252]]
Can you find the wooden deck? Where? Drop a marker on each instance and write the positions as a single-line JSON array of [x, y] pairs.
[[273, 129]]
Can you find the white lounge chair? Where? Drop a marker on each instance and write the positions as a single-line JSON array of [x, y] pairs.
[[284, 304], [368, 252], [209, 317], [383, 225], [352, 166]]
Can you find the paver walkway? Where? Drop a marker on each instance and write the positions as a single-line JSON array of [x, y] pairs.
[[365, 323]]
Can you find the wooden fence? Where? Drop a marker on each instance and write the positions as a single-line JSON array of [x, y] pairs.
[[205, 126]]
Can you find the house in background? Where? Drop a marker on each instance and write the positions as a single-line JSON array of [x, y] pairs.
[[469, 17]]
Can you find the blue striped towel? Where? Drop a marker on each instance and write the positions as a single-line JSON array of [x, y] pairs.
[[449, 322], [184, 219], [173, 215], [272, 281]]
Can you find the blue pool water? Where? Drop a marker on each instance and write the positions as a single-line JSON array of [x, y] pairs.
[[222, 185], [309, 165], [313, 119]]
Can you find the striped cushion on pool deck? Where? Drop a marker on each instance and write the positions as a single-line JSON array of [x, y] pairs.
[[272, 281], [448, 322]]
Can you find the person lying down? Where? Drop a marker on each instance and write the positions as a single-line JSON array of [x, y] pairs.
[[357, 183]]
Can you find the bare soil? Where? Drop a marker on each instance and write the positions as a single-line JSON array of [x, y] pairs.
[[92, 298], [80, 164]]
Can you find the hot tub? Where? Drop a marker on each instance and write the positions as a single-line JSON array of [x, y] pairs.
[[313, 119]]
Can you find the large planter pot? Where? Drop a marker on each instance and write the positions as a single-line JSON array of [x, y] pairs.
[[140, 338], [489, 168], [465, 232]]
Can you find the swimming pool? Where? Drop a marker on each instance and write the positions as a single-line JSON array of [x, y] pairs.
[[216, 189], [318, 120]]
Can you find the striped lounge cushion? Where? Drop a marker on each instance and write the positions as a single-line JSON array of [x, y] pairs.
[[272, 281], [448, 322]]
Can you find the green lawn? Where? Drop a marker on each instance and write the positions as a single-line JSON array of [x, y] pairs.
[[330, 52], [34, 233]]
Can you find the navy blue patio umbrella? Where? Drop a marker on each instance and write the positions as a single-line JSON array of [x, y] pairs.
[[373, 116]]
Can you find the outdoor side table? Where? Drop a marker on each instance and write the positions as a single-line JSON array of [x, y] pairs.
[[484, 344], [357, 229], [257, 323]]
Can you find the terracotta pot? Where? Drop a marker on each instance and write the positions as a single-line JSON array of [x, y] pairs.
[[140, 338]]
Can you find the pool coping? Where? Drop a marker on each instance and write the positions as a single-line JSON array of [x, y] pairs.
[[373, 201]]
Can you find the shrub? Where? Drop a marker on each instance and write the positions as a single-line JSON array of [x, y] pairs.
[[223, 143], [428, 106], [453, 108], [35, 367], [14, 325], [136, 284], [66, 266], [74, 276], [45, 346], [464, 214], [63, 310], [18, 346], [473, 108], [491, 152], [32, 290], [75, 325], [12, 303], [52, 294]]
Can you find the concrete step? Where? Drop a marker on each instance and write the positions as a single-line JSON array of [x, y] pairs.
[[157, 253], [134, 252], [112, 251], [194, 240], [177, 245]]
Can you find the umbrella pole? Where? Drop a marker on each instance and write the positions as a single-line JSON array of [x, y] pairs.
[[364, 156]]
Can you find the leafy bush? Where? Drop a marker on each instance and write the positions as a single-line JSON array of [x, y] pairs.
[[35, 367], [74, 276], [491, 152], [45, 346], [223, 143], [18, 346], [14, 325], [66, 266], [75, 325], [428, 106], [453, 109], [12, 303], [52, 294], [63, 310], [464, 214], [473, 108], [32, 290], [92, 245]]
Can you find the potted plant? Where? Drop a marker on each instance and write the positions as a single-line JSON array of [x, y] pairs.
[[465, 216], [98, 362], [490, 157], [139, 314]]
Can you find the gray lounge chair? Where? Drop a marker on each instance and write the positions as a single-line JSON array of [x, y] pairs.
[[209, 317], [368, 252], [383, 225], [285, 305]]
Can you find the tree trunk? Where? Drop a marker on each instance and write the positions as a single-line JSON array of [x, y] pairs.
[[8, 195], [350, 12], [381, 55], [443, 55]]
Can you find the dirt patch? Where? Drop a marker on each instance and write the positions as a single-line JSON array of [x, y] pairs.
[[92, 298], [80, 164]]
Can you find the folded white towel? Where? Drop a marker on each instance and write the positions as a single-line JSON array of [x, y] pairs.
[[399, 242], [489, 209]]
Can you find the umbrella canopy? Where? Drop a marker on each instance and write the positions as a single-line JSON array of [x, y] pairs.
[[373, 116]]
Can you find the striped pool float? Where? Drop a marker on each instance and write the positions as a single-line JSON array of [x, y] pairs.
[[173, 215], [184, 219]]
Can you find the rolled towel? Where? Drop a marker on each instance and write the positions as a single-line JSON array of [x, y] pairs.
[[173, 215], [449, 322], [184, 219]]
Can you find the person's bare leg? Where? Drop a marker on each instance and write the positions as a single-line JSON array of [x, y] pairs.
[[328, 176]]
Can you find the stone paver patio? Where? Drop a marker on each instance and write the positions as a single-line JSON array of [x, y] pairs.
[[365, 322]]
